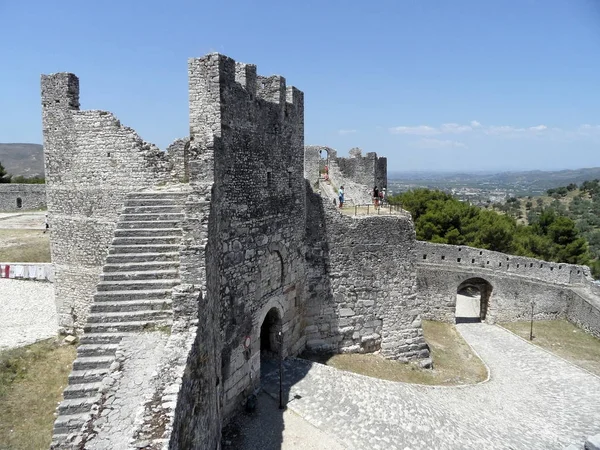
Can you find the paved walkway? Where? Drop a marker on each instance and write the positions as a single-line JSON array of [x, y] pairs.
[[533, 400]]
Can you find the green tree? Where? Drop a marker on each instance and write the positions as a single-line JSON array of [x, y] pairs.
[[4, 176]]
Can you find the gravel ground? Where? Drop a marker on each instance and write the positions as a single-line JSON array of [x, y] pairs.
[[22, 221], [28, 312]]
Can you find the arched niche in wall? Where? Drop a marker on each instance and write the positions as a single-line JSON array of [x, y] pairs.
[[19, 202], [272, 273], [472, 300]]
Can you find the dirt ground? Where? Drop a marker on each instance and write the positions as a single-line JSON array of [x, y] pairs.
[[563, 339], [454, 363], [22, 238]]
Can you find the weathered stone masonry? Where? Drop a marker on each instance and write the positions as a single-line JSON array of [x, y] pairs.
[[92, 162], [16, 197], [557, 290], [362, 284], [258, 244], [358, 174]]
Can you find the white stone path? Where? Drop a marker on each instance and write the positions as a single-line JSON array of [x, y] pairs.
[[533, 400]]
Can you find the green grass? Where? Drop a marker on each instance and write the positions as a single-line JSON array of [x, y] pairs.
[[454, 363], [563, 339], [32, 379], [24, 246]]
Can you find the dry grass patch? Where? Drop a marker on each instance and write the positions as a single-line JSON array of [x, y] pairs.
[[24, 246], [32, 379], [563, 339], [454, 363]]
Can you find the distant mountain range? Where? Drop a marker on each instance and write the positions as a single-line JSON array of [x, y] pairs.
[[23, 159], [533, 179]]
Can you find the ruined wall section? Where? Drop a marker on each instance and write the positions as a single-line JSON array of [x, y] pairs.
[[362, 284], [355, 192], [246, 137], [92, 162], [15, 197]]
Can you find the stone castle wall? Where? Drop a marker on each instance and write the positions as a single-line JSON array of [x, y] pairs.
[[17, 197], [362, 284], [253, 152], [357, 174], [515, 282], [92, 162]]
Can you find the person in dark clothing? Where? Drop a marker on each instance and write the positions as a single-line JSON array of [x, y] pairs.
[[376, 196]]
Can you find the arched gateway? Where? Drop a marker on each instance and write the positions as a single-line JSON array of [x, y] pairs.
[[472, 299], [269, 334]]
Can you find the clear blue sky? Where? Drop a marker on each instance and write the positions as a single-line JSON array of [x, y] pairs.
[[432, 85]]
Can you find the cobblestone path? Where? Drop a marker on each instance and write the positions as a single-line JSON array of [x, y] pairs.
[[533, 400]]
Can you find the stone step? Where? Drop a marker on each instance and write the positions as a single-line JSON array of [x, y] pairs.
[[136, 285], [129, 316], [101, 338], [148, 248], [97, 349], [151, 232], [68, 423], [82, 390], [155, 209], [140, 275], [145, 217], [92, 362], [158, 194], [118, 327], [77, 405], [87, 376], [153, 200], [132, 305], [148, 257], [148, 224], [146, 240], [126, 295], [140, 266]]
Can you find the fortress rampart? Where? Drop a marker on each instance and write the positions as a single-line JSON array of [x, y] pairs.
[[91, 163], [258, 260], [556, 290], [16, 197]]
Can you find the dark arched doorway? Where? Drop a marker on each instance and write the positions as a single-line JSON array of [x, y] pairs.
[[19, 202], [270, 334], [472, 299]]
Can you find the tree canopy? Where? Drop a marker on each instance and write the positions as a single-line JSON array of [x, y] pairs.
[[441, 218], [4, 176]]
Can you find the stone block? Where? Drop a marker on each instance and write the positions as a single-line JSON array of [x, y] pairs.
[[593, 442], [346, 312]]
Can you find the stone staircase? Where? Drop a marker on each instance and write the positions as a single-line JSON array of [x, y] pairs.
[[133, 295]]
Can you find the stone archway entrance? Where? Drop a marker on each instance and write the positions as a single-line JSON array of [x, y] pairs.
[[472, 298], [269, 335], [324, 164]]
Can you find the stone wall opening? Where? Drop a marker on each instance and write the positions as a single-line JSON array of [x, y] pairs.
[[19, 202], [472, 298], [324, 164], [269, 335]]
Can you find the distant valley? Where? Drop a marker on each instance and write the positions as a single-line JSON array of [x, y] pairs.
[[23, 159]]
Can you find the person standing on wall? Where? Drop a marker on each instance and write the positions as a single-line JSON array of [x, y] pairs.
[[341, 196], [376, 196], [381, 196]]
